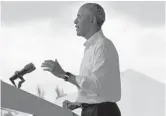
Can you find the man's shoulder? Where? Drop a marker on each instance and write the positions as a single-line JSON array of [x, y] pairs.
[[108, 46], [105, 42]]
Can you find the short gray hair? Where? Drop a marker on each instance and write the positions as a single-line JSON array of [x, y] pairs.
[[98, 10]]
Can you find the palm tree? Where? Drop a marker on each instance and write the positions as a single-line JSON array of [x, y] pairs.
[[60, 93], [40, 92]]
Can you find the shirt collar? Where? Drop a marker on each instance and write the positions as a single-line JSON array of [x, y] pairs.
[[92, 39]]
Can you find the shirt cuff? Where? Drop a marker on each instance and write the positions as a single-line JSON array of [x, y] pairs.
[[80, 80]]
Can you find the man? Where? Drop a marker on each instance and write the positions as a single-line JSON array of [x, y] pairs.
[[98, 83]]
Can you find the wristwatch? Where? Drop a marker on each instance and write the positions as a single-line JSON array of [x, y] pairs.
[[67, 76]]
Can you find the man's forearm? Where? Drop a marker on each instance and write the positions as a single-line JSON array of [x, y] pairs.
[[73, 81]]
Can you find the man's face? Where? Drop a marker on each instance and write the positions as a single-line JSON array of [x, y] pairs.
[[82, 22]]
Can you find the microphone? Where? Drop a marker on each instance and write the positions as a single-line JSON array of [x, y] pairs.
[[19, 74]]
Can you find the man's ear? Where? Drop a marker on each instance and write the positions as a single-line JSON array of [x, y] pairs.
[[93, 19]]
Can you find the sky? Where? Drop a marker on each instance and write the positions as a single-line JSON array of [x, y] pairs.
[[37, 31]]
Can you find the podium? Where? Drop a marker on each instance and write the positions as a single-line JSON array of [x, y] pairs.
[[17, 99]]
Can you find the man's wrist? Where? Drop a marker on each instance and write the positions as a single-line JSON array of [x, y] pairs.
[[62, 75], [67, 76], [70, 78]]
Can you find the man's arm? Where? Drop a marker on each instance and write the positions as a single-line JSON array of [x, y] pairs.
[[90, 81], [105, 66], [72, 80], [104, 63]]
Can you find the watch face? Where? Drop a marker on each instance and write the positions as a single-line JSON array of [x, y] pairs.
[[68, 74]]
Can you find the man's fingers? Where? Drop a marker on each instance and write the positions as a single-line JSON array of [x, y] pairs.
[[47, 69], [45, 65], [69, 105], [48, 61], [66, 103]]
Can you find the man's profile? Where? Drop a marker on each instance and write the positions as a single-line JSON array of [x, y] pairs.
[[98, 83]]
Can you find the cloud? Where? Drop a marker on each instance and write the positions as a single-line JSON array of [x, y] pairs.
[[147, 13], [140, 47], [36, 10], [152, 43]]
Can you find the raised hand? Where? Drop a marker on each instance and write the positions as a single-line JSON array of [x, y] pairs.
[[53, 67]]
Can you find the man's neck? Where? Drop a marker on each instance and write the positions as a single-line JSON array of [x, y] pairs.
[[91, 33]]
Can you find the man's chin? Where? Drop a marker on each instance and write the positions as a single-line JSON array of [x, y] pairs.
[[78, 34]]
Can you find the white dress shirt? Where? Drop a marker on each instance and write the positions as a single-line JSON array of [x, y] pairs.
[[99, 77]]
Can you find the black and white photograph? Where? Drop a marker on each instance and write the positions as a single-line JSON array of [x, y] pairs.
[[82, 58]]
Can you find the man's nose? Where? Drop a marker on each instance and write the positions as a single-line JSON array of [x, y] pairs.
[[75, 21]]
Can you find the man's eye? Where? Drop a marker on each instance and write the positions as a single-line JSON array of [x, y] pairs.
[[78, 17]]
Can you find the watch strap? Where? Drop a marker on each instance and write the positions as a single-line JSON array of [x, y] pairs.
[[67, 76]]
